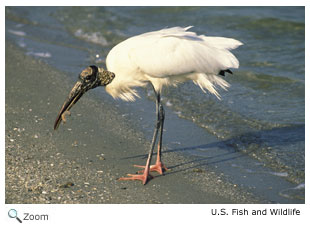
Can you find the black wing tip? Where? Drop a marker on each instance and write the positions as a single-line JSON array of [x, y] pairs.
[[222, 72]]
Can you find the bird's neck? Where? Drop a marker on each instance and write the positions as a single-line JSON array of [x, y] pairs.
[[105, 76]]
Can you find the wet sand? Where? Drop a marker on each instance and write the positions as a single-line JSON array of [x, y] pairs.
[[82, 160]]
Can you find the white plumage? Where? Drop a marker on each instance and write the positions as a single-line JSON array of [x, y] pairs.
[[168, 57]]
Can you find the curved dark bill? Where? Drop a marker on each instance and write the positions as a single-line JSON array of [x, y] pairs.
[[75, 94]]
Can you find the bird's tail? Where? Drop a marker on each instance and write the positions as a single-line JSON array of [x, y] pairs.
[[210, 82]]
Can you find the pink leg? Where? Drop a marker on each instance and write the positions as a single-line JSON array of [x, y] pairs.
[[159, 166]]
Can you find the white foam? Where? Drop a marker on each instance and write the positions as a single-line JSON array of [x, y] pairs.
[[21, 44], [95, 37], [300, 186], [17, 32], [40, 54], [168, 103], [279, 174]]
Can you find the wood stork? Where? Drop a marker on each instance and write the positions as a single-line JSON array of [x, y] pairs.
[[165, 57]]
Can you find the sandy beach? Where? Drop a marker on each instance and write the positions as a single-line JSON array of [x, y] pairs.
[[82, 160]]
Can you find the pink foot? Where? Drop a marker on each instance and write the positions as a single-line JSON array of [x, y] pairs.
[[159, 167], [143, 177]]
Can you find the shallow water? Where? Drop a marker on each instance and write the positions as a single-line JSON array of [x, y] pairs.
[[262, 115]]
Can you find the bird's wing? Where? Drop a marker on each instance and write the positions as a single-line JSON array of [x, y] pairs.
[[176, 51]]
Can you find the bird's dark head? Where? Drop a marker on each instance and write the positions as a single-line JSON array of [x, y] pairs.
[[89, 78], [94, 76]]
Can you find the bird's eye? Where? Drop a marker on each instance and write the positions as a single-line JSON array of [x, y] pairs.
[[88, 77]]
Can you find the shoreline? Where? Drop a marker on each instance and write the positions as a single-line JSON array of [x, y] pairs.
[[81, 161]]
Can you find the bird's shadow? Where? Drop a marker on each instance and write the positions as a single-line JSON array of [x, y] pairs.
[[235, 147]]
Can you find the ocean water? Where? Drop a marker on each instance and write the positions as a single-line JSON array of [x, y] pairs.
[[262, 115]]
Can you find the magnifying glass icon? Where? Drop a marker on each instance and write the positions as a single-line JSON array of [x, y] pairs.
[[13, 214]]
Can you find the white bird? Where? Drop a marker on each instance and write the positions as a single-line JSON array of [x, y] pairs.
[[161, 58]]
